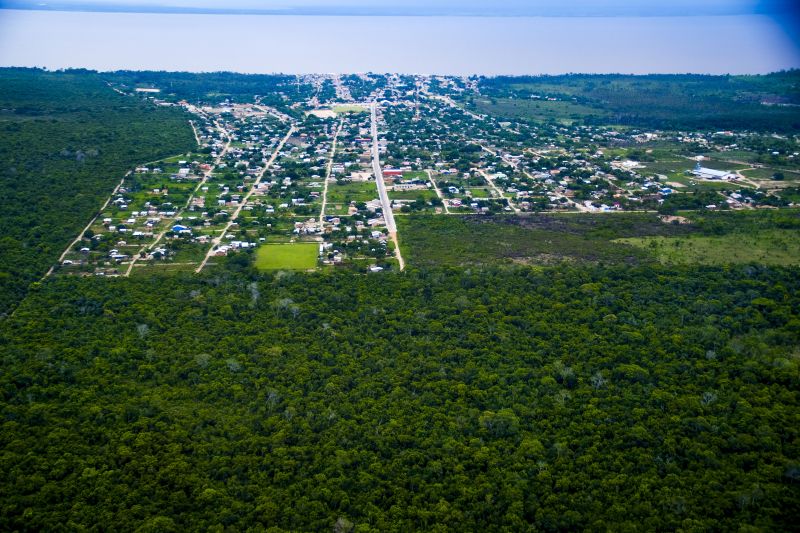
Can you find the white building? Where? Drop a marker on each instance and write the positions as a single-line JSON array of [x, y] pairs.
[[711, 174]]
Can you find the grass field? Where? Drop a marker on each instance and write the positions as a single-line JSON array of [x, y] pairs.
[[779, 247], [767, 173], [479, 193], [298, 256], [416, 174], [691, 183], [721, 165], [667, 167], [349, 109], [426, 194], [740, 155], [358, 191]]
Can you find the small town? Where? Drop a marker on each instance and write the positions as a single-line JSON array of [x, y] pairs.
[[329, 172]]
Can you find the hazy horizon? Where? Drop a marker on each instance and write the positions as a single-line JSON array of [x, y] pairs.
[[423, 45]]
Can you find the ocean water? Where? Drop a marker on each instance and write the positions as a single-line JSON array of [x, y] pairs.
[[424, 45]]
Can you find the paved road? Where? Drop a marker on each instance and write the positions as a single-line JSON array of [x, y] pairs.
[[283, 117], [386, 205]]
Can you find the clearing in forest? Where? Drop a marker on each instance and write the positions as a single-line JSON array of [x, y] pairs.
[[295, 256], [779, 247]]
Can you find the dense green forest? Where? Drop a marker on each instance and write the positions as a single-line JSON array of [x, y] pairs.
[[624, 398], [66, 139], [272, 89], [679, 102]]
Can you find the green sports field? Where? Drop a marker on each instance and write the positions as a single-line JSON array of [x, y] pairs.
[[349, 109], [299, 256]]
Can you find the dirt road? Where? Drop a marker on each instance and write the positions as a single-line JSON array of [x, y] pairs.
[[328, 172], [232, 219]]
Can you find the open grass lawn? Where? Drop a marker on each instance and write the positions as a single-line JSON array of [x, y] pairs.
[[759, 173], [297, 256], [349, 109], [416, 174], [666, 167], [691, 183], [358, 191], [767, 173], [720, 165], [479, 192], [740, 155], [778, 247], [426, 194]]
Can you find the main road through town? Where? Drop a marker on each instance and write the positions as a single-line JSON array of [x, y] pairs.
[[386, 205]]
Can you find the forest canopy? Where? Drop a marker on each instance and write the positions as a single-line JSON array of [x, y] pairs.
[[66, 139], [683, 102], [567, 398]]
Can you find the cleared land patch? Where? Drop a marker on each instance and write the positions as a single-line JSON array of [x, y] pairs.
[[321, 113], [769, 247], [296, 256], [349, 109], [535, 239]]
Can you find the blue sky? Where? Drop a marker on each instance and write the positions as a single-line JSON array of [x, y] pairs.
[[587, 36], [785, 13]]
